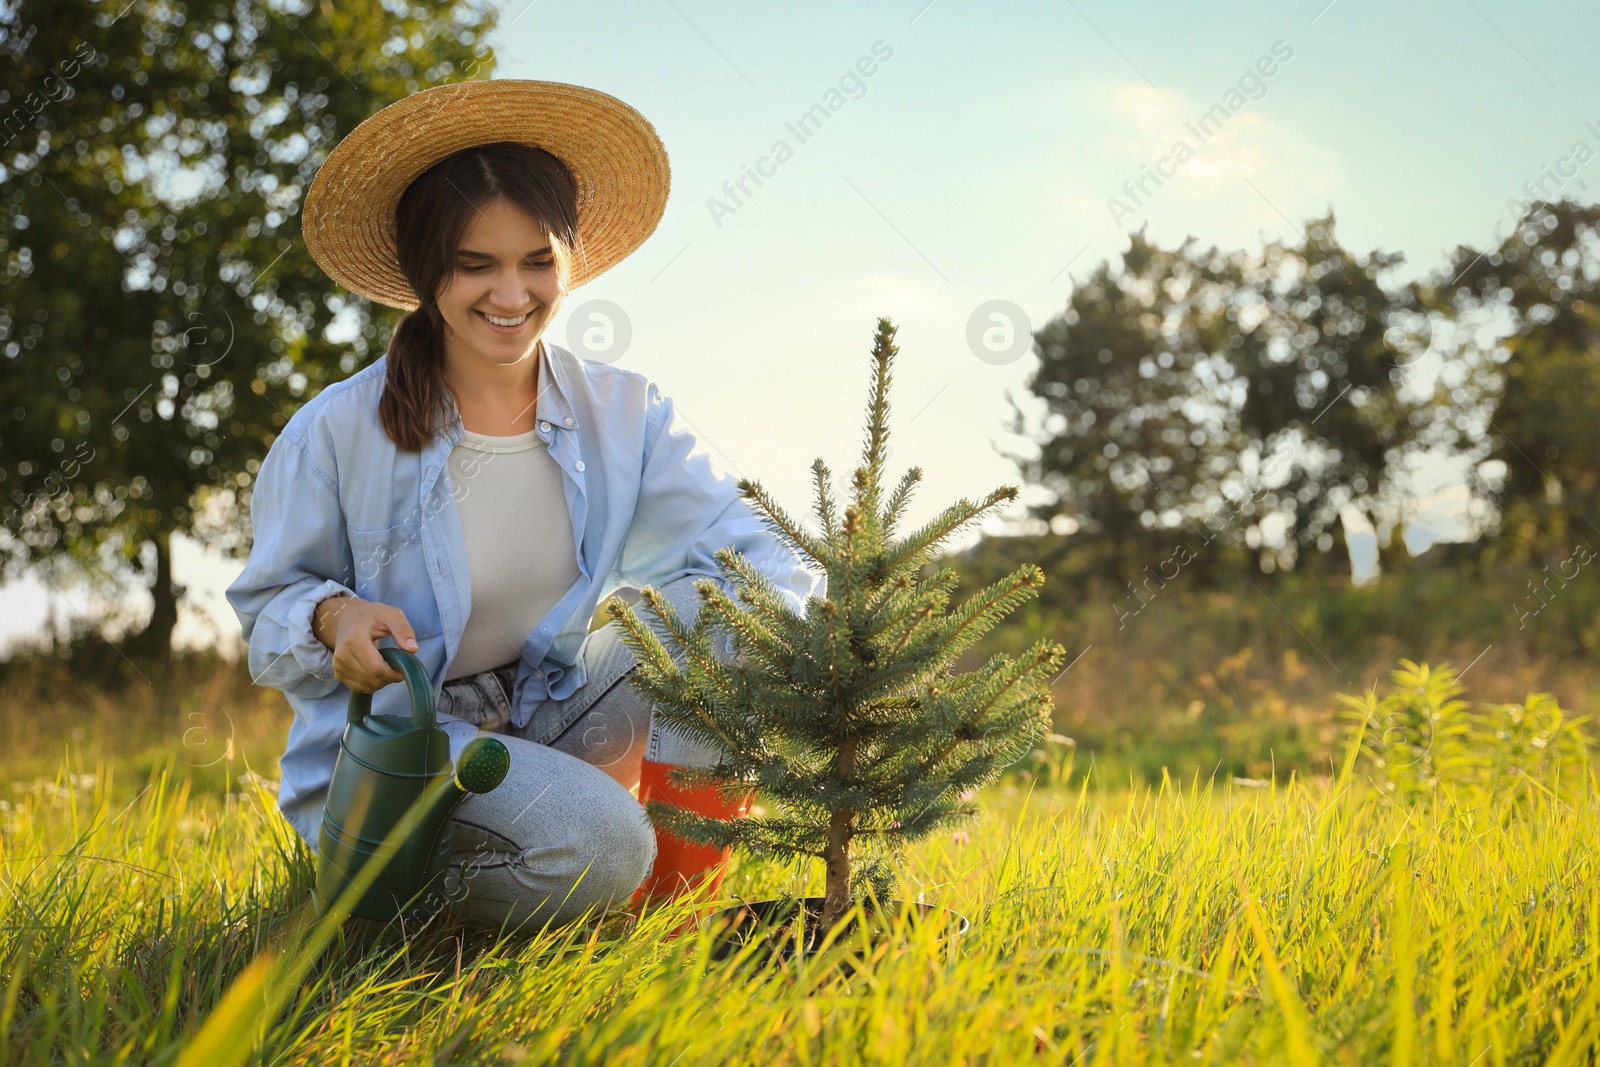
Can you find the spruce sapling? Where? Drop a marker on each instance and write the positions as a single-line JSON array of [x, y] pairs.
[[848, 719]]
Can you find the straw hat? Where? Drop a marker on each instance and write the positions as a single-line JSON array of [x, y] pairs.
[[614, 153]]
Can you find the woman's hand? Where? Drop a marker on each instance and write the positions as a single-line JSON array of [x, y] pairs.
[[354, 626]]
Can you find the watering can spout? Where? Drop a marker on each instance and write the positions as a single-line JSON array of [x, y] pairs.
[[482, 767]]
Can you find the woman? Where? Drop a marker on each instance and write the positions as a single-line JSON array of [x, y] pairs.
[[474, 493]]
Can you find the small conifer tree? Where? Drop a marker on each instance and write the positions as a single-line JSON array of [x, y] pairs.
[[849, 720]]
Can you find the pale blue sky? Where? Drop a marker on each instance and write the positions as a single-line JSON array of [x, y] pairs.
[[976, 164]]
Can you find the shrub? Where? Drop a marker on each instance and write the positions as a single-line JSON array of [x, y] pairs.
[[1421, 735]]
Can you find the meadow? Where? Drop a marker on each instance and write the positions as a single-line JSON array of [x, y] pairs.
[[1430, 899]]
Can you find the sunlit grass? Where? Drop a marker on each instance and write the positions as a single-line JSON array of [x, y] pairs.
[[1306, 921]]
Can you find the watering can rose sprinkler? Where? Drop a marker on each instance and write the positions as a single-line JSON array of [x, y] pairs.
[[384, 844]]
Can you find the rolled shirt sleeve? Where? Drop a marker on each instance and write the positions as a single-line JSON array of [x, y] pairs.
[[299, 559]]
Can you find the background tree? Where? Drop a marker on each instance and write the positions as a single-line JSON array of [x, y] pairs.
[[1139, 431], [162, 317], [1204, 400], [1320, 345], [1536, 448]]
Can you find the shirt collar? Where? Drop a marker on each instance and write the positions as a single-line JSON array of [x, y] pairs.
[[552, 402], [555, 389], [553, 406]]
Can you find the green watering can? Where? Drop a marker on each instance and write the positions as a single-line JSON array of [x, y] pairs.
[[392, 770]]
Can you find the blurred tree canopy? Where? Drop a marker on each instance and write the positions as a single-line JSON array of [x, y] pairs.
[[1207, 411], [1539, 443], [162, 318]]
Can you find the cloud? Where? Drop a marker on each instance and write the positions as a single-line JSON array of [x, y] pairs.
[[1298, 172], [1155, 118]]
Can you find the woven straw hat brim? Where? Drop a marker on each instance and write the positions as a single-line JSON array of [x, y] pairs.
[[613, 152]]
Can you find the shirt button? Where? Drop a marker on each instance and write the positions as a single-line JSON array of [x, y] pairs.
[[544, 426], [568, 421], [579, 465]]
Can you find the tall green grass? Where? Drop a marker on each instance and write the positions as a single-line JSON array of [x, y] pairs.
[[1301, 921]]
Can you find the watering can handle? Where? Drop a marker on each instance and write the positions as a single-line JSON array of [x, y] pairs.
[[423, 713]]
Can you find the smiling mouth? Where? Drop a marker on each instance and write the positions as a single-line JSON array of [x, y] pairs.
[[499, 321]]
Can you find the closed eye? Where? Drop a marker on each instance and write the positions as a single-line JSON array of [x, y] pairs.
[[480, 269]]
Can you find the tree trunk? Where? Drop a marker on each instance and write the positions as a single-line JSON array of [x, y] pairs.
[[156, 638], [836, 899]]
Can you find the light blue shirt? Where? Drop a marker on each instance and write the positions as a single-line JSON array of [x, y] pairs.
[[337, 507]]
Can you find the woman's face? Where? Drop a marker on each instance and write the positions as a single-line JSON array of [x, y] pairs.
[[505, 268]]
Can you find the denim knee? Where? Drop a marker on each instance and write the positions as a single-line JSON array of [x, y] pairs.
[[554, 864], [618, 851]]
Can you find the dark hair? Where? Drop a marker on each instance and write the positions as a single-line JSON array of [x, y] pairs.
[[429, 220]]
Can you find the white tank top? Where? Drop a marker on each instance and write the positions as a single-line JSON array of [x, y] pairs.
[[520, 550]]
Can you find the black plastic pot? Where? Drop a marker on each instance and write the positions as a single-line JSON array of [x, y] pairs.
[[772, 924]]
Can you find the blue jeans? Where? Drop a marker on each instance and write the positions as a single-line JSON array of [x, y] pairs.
[[563, 835]]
